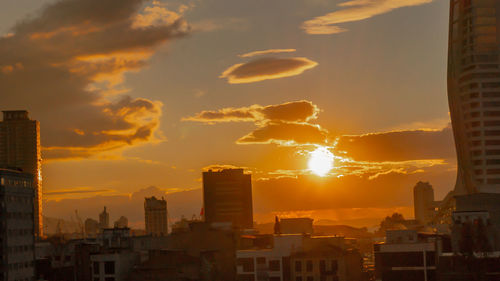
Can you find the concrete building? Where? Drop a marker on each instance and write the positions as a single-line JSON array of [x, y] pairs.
[[300, 257], [227, 197], [17, 228], [91, 227], [20, 148], [406, 255], [155, 216], [423, 202], [296, 225], [104, 219], [122, 222], [474, 93]]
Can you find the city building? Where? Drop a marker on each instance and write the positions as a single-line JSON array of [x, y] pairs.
[[104, 219], [423, 202], [91, 227], [296, 225], [301, 257], [227, 197], [474, 93], [407, 255], [122, 222], [155, 216], [17, 227], [20, 148]]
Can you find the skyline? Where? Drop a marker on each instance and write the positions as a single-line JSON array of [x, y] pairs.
[[297, 99]]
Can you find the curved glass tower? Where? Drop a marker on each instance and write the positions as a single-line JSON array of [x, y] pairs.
[[474, 93]]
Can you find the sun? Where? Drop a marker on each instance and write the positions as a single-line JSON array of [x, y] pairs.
[[320, 161]]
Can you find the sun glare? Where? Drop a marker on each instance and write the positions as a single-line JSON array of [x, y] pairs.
[[320, 161]]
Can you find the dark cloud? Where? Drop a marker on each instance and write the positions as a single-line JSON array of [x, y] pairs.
[[267, 68], [65, 65], [284, 124], [286, 134], [399, 145]]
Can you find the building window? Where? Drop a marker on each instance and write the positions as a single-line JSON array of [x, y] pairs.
[[247, 264], [274, 265], [310, 278], [322, 266], [109, 279], [96, 267], [261, 260], [298, 266], [309, 266], [335, 265], [298, 278], [275, 278], [109, 267]]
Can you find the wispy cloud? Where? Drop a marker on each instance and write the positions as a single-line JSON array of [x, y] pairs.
[[355, 10], [266, 69], [266, 52]]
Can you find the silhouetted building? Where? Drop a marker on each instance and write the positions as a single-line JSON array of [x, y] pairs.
[[406, 255], [296, 226], [155, 216], [122, 222], [473, 93], [104, 219], [17, 233], [20, 148], [423, 202], [91, 227], [227, 197]]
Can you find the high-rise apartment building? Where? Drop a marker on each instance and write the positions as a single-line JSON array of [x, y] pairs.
[[20, 148], [423, 202], [104, 219], [474, 93], [227, 197], [17, 226], [155, 216]]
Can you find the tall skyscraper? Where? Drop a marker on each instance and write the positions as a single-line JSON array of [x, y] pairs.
[[20, 148], [17, 227], [474, 93], [104, 219], [155, 216], [423, 202], [227, 197]]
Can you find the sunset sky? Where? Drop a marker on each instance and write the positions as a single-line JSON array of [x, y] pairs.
[[135, 98]]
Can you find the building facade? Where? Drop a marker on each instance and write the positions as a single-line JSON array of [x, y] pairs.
[[227, 197], [20, 148], [423, 202], [474, 93], [104, 219], [17, 227], [155, 216]]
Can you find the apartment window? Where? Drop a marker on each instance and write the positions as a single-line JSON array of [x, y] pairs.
[[275, 278], [322, 265], [335, 265], [261, 260], [310, 278], [109, 267], [478, 172], [298, 278], [274, 265], [493, 152], [309, 266], [96, 267], [298, 266], [476, 152], [492, 142], [491, 104], [493, 171], [493, 181], [493, 162], [491, 113], [491, 95], [247, 264], [492, 123]]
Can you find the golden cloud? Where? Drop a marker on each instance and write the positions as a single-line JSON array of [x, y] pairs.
[[355, 10], [284, 124], [266, 52], [266, 69], [74, 54]]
